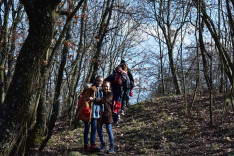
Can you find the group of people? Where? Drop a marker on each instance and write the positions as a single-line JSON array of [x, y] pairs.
[[102, 102]]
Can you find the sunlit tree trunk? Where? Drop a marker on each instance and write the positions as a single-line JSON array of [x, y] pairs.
[[198, 62], [165, 18]]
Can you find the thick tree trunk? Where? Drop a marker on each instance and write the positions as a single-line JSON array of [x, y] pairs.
[[36, 135], [19, 105], [56, 102]]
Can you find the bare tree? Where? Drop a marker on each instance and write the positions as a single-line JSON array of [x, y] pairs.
[[20, 105], [168, 22]]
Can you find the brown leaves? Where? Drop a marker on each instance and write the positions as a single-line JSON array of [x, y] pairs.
[[94, 60], [70, 56], [97, 38], [76, 17], [2, 67], [157, 128], [44, 62], [66, 43], [85, 7]]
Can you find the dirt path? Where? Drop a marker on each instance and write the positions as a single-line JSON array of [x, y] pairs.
[[159, 127], [70, 142]]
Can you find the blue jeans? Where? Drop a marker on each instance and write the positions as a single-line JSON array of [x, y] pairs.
[[93, 132], [125, 99], [109, 132], [86, 132]]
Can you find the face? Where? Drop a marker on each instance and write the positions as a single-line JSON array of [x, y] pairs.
[[99, 81], [106, 87], [119, 69]]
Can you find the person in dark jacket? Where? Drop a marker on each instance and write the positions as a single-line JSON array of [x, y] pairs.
[[125, 100], [106, 116], [119, 83]]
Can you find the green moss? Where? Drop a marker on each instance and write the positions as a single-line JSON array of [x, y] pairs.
[[143, 151], [74, 153]]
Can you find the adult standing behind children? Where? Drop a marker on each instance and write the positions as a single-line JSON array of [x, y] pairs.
[[106, 115], [125, 100], [119, 84], [89, 112]]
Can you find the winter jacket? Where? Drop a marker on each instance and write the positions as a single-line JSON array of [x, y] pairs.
[[125, 81], [97, 107], [85, 109], [107, 101], [129, 73], [88, 110]]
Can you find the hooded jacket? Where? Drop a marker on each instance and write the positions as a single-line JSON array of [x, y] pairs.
[[88, 110]]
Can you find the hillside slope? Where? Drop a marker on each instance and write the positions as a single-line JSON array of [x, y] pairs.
[[159, 127]]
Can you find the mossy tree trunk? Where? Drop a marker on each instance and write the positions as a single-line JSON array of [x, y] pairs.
[[20, 102]]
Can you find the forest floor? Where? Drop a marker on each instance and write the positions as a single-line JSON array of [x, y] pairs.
[[159, 127]]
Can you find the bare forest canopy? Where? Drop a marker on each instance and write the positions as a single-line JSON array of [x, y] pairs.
[[50, 48]]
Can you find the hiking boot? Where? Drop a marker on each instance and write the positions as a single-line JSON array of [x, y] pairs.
[[103, 147], [116, 123], [127, 103], [86, 148], [111, 150], [122, 112], [94, 148]]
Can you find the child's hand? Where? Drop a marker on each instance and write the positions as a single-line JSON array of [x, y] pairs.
[[89, 99]]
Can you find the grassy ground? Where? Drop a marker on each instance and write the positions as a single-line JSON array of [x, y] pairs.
[[159, 127]]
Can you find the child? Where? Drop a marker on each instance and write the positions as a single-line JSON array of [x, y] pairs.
[[106, 115], [89, 112]]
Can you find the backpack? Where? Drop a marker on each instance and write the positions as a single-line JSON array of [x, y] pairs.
[[118, 79], [127, 81]]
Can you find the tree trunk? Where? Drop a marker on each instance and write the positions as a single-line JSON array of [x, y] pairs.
[[101, 34], [36, 134], [173, 71], [56, 102], [198, 61], [4, 49], [76, 73], [19, 105], [203, 54], [228, 65]]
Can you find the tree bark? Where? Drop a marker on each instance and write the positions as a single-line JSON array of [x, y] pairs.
[[101, 34], [36, 133], [56, 102], [165, 21], [4, 48], [226, 59], [19, 105]]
